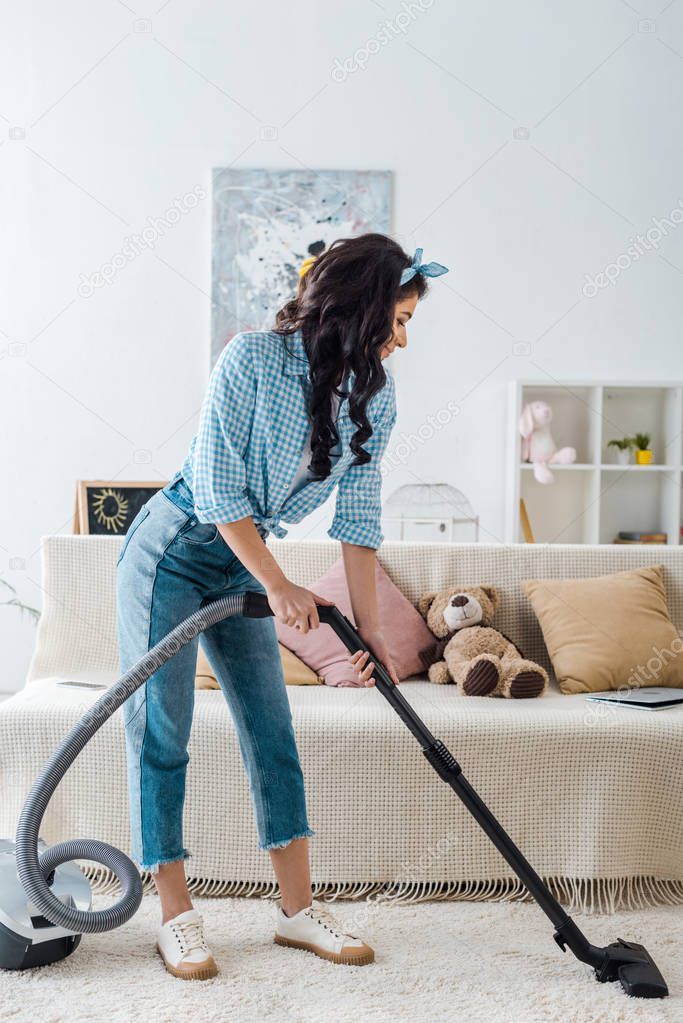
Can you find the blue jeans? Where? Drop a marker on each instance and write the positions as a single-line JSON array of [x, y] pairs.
[[170, 564]]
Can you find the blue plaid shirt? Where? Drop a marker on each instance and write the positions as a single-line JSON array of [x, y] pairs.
[[252, 430]]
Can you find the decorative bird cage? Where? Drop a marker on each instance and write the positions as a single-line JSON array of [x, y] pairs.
[[431, 511]]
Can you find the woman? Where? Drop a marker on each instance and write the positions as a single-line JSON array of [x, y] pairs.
[[289, 414]]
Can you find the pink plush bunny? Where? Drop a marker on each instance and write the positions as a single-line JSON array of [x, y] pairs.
[[538, 445]]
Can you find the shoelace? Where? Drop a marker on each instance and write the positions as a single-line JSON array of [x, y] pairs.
[[190, 934], [325, 918]]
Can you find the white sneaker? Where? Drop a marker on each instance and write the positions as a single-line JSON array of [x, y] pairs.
[[182, 946], [315, 930]]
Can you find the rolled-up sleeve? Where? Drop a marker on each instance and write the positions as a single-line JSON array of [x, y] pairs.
[[358, 510], [225, 422]]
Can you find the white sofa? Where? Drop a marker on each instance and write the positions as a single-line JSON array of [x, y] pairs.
[[593, 795]]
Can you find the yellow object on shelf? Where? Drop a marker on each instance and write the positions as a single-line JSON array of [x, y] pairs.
[[643, 457], [526, 523]]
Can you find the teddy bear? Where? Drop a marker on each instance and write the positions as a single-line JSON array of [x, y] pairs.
[[481, 660]]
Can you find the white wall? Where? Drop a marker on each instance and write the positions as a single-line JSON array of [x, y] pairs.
[[118, 123]]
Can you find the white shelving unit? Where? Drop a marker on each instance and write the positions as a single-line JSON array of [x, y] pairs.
[[593, 499]]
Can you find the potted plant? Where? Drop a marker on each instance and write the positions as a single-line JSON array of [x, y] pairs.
[[641, 442], [623, 449]]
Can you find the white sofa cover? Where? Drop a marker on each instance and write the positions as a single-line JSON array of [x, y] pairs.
[[593, 795]]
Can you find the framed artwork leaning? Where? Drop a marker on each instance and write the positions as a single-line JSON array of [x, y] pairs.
[[107, 507]]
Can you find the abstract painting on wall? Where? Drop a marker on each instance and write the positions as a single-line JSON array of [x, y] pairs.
[[266, 222]]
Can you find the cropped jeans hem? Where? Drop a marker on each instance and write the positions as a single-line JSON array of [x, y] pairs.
[[154, 867], [308, 833]]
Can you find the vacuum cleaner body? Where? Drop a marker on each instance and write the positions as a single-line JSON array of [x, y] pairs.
[[27, 938], [45, 900]]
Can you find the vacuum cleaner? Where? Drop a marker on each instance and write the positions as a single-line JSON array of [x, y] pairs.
[[45, 901]]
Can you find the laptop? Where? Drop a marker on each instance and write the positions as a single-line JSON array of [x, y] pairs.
[[647, 698]]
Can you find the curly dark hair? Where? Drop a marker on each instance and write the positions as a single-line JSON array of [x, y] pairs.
[[345, 310]]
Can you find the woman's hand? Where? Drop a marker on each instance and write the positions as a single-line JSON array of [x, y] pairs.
[[295, 605], [373, 637]]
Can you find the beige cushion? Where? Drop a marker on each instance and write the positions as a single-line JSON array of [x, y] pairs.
[[296, 672], [608, 631]]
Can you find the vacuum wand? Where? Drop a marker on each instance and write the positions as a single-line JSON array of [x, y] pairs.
[[625, 961]]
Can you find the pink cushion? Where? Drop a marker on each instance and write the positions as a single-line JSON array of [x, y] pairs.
[[408, 638]]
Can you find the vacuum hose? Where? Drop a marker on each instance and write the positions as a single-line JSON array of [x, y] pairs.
[[34, 869]]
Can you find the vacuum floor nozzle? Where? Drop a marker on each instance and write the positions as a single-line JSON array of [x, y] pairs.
[[633, 966]]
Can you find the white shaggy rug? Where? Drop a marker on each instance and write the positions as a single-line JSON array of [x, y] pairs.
[[438, 961]]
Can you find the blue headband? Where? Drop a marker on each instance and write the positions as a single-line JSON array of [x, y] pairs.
[[427, 269]]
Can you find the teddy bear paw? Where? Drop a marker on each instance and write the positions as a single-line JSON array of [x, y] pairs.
[[481, 679], [438, 672], [528, 683]]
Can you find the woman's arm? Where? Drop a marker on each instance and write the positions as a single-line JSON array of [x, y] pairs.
[[357, 523], [291, 604], [358, 511], [360, 566]]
